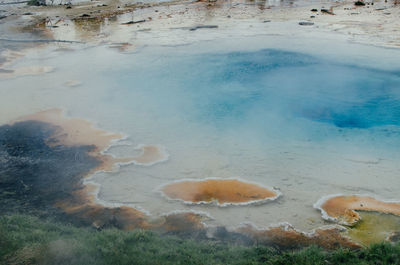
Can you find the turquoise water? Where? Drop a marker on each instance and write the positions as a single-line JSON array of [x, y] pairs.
[[266, 94], [229, 89], [298, 122]]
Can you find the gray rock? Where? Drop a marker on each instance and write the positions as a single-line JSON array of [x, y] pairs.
[[306, 23], [203, 27], [133, 22]]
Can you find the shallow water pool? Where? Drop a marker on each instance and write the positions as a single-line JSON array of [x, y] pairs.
[[298, 122]]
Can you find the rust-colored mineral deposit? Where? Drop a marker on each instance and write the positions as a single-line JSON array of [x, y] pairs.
[[81, 144], [342, 209], [286, 237], [221, 191]]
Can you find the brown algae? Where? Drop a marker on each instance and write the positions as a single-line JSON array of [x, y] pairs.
[[72, 149], [183, 222], [285, 236]]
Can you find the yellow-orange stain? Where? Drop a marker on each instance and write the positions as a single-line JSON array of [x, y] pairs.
[[74, 132], [220, 190], [343, 208]]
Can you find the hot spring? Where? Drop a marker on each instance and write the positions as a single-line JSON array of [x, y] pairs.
[[297, 123]]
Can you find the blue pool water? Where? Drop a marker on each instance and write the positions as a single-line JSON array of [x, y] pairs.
[[298, 122], [232, 88]]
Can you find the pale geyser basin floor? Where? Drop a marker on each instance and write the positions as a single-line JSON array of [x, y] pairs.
[[215, 121]]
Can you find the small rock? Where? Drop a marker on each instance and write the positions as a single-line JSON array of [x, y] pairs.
[[133, 22], [306, 23], [266, 21], [36, 3], [326, 11], [203, 27], [359, 3], [85, 15], [6, 71], [394, 237], [314, 10]]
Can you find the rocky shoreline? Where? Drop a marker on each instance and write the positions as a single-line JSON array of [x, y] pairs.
[[373, 22]]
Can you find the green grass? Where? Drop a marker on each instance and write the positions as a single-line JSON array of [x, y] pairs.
[[29, 240]]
